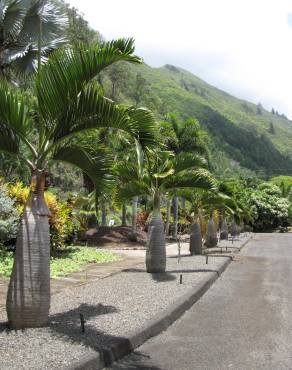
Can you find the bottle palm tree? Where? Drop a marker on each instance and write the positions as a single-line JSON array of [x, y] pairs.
[[204, 203], [183, 137], [27, 26], [67, 105], [163, 173]]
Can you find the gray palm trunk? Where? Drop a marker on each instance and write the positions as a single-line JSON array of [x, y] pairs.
[[28, 297], [196, 244], [233, 229], [224, 230], [133, 235], [211, 237], [168, 211], [124, 215], [156, 252], [103, 214], [175, 217]]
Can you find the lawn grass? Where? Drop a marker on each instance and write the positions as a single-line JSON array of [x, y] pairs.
[[71, 260]]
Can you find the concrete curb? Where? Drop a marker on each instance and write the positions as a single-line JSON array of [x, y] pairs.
[[153, 327]]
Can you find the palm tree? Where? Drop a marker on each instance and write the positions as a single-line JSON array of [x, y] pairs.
[[211, 237], [204, 203], [163, 173], [183, 137], [27, 26], [223, 229], [68, 104]]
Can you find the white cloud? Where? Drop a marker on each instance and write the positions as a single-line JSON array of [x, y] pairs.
[[242, 46]]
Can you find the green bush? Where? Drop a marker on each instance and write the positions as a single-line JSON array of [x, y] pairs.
[[61, 221], [9, 217], [272, 211]]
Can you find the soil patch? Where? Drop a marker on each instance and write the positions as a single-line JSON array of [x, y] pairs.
[[116, 237]]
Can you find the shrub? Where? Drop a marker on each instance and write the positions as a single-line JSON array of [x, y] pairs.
[[272, 210], [9, 217], [61, 223]]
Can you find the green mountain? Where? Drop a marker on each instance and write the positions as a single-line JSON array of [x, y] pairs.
[[244, 135]]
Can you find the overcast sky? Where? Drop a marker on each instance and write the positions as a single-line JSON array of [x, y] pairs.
[[241, 46]]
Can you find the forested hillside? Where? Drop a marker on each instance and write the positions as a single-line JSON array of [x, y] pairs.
[[245, 133]]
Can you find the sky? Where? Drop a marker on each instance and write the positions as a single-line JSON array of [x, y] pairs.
[[243, 47]]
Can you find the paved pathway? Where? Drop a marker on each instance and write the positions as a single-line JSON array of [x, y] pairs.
[[243, 322]]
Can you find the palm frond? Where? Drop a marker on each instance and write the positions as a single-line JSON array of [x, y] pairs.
[[54, 22], [14, 119], [66, 72], [126, 171], [12, 15], [132, 189], [95, 163], [200, 179], [92, 111], [185, 161]]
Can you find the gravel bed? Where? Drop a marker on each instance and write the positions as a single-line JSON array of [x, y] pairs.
[[112, 307]]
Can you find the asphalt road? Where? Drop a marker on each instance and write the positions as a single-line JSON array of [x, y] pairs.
[[243, 322]]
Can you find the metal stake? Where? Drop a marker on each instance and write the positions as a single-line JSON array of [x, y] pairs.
[[82, 322], [179, 249]]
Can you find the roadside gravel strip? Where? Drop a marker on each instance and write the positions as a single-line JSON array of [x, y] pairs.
[[121, 312]]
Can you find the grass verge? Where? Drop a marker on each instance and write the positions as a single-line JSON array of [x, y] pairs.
[[70, 260]]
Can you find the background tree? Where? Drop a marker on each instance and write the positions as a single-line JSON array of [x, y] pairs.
[[272, 128]]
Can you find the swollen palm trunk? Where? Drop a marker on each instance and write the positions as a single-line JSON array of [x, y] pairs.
[[211, 238], [233, 229], [156, 253], [196, 239], [28, 297], [224, 230]]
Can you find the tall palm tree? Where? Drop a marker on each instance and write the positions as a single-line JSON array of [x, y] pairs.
[[27, 26], [183, 137], [67, 105], [163, 173]]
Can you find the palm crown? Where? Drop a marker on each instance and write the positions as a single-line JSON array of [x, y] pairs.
[[24, 25], [67, 104]]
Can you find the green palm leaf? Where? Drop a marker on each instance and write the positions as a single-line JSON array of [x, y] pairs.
[[95, 163], [67, 72], [201, 179], [131, 190], [14, 120], [186, 161]]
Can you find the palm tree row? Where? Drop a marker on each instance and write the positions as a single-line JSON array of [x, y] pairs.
[[68, 119], [67, 104]]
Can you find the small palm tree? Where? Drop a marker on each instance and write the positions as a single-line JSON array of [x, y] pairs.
[[68, 104], [163, 173], [204, 203], [27, 26]]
